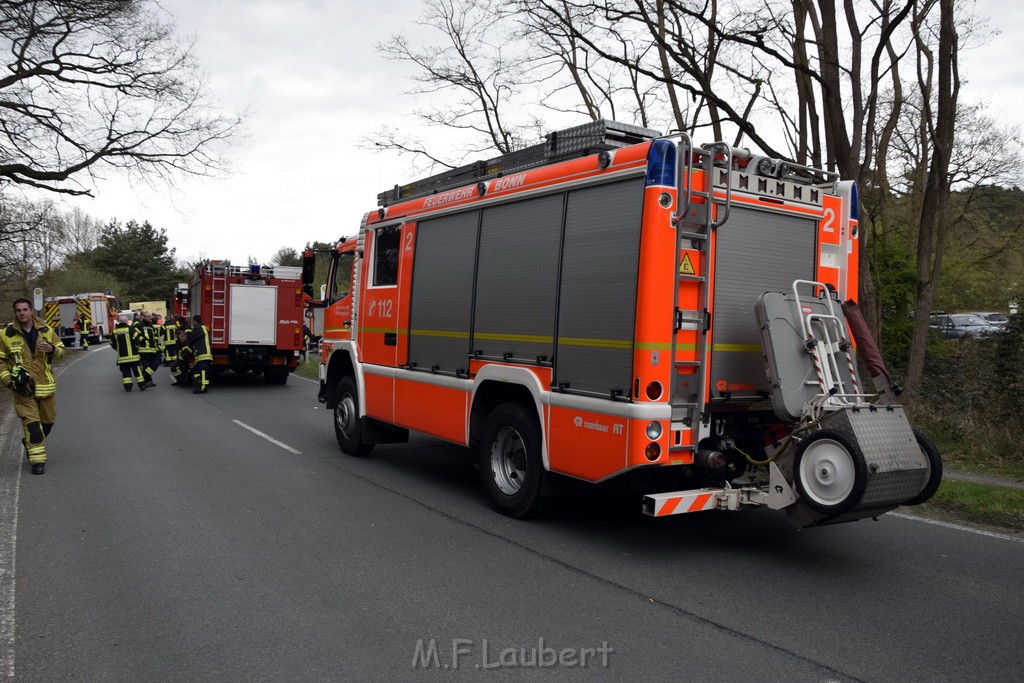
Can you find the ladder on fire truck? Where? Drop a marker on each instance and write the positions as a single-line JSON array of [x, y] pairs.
[[219, 301], [699, 214]]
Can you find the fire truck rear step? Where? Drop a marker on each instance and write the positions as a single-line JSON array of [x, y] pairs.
[[776, 494]]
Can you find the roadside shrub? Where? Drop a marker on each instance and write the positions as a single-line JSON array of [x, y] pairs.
[[971, 400]]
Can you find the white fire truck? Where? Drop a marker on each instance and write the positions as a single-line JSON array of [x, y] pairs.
[[613, 304], [254, 314], [97, 308]]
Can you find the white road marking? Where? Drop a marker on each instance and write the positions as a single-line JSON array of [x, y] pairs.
[[267, 437], [958, 527], [10, 484]]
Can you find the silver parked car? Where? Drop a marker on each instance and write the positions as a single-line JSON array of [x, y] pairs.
[[960, 325]]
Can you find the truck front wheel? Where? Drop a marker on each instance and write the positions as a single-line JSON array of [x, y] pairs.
[[347, 426], [510, 460]]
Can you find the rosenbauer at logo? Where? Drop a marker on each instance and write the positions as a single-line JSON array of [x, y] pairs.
[[596, 426]]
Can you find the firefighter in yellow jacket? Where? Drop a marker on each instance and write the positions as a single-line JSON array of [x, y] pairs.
[[28, 348], [125, 339]]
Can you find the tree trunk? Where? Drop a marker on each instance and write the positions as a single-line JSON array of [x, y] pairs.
[[936, 195]]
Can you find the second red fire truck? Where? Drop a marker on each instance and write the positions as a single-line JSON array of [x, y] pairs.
[[254, 314], [617, 305]]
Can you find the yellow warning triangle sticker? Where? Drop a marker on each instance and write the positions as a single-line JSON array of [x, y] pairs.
[[686, 268]]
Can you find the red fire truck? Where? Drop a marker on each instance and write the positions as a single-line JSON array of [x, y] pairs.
[[254, 314], [613, 304]]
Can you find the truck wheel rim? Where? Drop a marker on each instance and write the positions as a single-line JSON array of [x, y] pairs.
[[508, 461], [827, 472], [344, 415]]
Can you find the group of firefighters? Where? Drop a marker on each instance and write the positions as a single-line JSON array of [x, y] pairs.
[[143, 344]]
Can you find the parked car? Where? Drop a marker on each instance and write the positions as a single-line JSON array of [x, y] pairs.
[[993, 318], [960, 325]]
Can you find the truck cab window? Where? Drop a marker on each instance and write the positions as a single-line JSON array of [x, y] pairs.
[[342, 282], [385, 255]]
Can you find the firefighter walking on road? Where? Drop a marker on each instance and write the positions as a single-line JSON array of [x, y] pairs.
[[125, 339], [28, 349], [199, 341]]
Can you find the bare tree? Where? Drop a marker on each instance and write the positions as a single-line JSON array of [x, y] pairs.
[[100, 84], [26, 229], [81, 232], [471, 63]]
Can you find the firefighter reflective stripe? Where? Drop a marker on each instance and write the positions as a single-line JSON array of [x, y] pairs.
[[146, 340], [200, 342], [13, 350], [5, 373], [123, 343], [170, 333]]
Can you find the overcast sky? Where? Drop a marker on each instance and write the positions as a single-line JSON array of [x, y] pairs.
[[308, 72]]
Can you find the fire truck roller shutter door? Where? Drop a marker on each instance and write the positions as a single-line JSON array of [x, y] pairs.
[[597, 306], [517, 273], [758, 251], [442, 292]]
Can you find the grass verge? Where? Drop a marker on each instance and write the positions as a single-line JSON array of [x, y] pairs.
[[309, 369], [979, 503]]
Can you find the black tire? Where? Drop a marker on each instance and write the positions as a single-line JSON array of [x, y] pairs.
[[510, 463], [934, 469], [348, 428], [829, 472], [275, 376]]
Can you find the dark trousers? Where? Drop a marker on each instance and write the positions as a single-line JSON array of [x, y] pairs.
[[129, 371], [170, 353], [201, 375], [150, 361]]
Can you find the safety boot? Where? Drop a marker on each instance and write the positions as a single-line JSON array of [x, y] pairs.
[[38, 467]]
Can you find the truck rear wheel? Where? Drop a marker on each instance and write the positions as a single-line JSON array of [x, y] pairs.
[[275, 375], [347, 426], [510, 460], [931, 454]]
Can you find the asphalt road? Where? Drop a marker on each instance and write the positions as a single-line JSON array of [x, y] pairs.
[[169, 541]]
